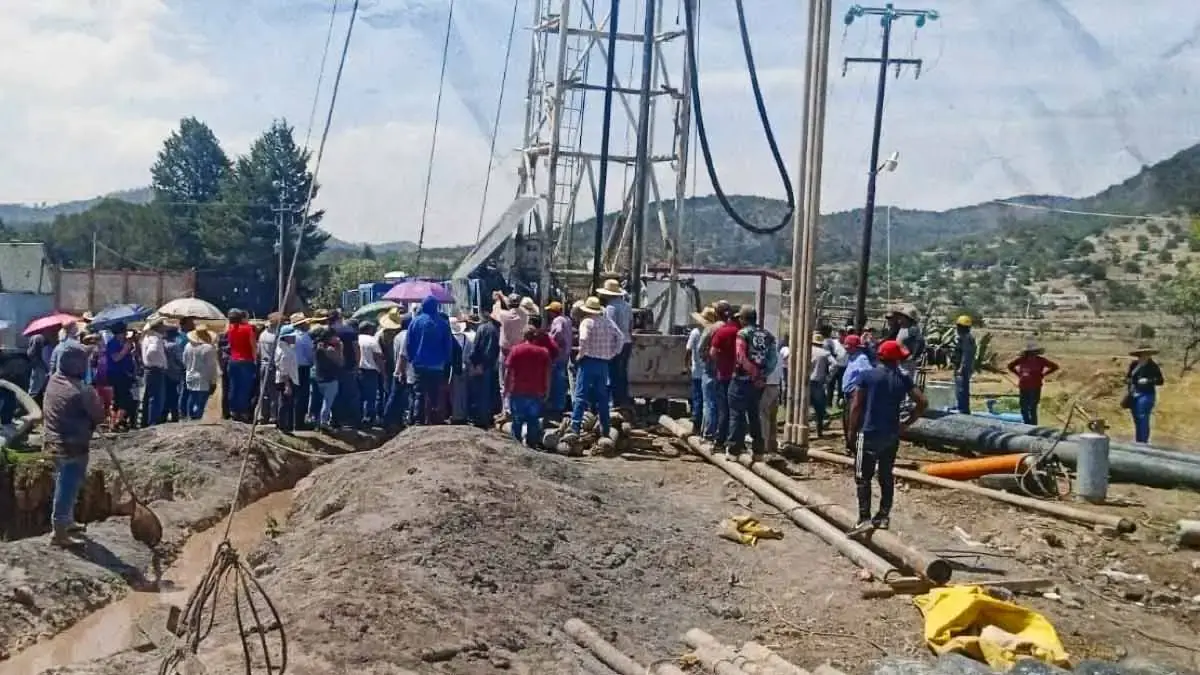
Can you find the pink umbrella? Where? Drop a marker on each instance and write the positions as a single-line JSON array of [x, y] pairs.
[[50, 322], [416, 291]]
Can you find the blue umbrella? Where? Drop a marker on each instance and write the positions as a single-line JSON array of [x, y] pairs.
[[114, 314]]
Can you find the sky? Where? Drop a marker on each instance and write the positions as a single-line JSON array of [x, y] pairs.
[[1045, 96]]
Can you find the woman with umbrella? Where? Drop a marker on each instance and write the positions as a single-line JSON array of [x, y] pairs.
[[43, 337]]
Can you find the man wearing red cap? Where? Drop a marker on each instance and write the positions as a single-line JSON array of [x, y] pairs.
[[875, 422]]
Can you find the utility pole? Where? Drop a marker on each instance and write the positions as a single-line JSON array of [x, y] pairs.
[[887, 15], [641, 177]]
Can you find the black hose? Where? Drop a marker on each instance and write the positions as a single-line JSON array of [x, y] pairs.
[[605, 141], [702, 134]]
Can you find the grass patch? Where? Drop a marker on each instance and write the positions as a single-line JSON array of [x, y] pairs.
[[14, 457]]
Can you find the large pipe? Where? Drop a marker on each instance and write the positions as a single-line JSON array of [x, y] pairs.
[[963, 432], [796, 512], [33, 414], [1160, 452], [587, 637], [922, 562], [1051, 508]]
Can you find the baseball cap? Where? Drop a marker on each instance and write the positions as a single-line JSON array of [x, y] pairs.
[[852, 342], [890, 350]]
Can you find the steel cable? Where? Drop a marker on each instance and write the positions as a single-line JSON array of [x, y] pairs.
[[437, 118], [487, 181]]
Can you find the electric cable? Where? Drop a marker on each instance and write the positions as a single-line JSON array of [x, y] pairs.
[[226, 562], [437, 118], [762, 115], [487, 180], [312, 115], [605, 141]]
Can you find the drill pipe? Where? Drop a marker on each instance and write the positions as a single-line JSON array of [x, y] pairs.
[[964, 433]]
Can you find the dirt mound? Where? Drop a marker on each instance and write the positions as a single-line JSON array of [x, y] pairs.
[[187, 471], [456, 547]]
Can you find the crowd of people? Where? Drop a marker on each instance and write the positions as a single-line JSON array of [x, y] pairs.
[[518, 362]]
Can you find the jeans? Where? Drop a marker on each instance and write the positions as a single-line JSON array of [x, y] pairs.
[[196, 402], [155, 395], [484, 393], [460, 397], [241, 385], [526, 417], [268, 409], [743, 410], [591, 390], [123, 400], [713, 402], [301, 396], [347, 408], [618, 376], [328, 392], [720, 392], [875, 455], [556, 401], [427, 396], [1030, 398], [962, 391], [697, 405], [395, 411], [833, 387], [286, 419], [368, 392], [816, 395], [171, 410], [1142, 407], [316, 399], [70, 473]]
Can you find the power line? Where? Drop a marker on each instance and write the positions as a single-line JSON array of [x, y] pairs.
[[312, 115], [487, 181], [1098, 214], [437, 116]]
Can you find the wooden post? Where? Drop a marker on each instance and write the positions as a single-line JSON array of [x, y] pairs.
[[587, 637]]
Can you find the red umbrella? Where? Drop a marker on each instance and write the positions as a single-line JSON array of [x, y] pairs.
[[53, 321]]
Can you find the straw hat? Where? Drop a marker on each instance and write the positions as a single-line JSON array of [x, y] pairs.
[[456, 326], [1144, 350], [391, 320], [818, 340], [320, 316], [1031, 347], [592, 306], [201, 334], [529, 305], [275, 318], [611, 288], [298, 319], [706, 317], [555, 306]]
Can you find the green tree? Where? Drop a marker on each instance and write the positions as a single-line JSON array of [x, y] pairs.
[[344, 276], [127, 236], [1181, 299], [367, 252], [186, 178], [269, 187]]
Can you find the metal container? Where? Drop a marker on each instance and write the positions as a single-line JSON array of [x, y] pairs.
[[1091, 468]]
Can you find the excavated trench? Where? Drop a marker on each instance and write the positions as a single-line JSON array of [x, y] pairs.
[[91, 599]]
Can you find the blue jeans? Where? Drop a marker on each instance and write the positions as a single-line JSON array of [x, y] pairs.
[[712, 403], [327, 395], [70, 473], [591, 390], [241, 384], [817, 392], [368, 392], [347, 408], [720, 424], [171, 397], [556, 402], [744, 414], [962, 391], [315, 399], [697, 405], [195, 402], [395, 411], [526, 417], [1143, 405], [155, 395], [427, 396]]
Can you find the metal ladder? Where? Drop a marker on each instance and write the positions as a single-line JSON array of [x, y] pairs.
[[570, 132]]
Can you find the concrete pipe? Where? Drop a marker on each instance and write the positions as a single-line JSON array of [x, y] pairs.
[[795, 511]]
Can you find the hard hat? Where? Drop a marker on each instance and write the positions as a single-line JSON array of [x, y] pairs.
[[963, 320]]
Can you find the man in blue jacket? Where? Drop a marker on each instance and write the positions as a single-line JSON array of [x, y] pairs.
[[429, 347]]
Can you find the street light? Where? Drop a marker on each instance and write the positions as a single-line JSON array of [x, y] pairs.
[[889, 165]]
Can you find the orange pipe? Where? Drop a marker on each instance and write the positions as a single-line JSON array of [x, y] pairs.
[[968, 469]]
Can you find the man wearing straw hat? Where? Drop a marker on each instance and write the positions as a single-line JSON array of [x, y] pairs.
[[201, 371], [618, 309], [563, 335], [703, 320], [1031, 369], [599, 342]]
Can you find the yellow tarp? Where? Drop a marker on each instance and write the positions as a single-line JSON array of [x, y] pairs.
[[748, 530], [966, 619]]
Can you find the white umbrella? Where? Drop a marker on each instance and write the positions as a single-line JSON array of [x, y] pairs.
[[190, 308]]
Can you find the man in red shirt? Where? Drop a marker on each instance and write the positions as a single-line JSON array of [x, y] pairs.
[[1031, 369], [723, 355], [527, 379]]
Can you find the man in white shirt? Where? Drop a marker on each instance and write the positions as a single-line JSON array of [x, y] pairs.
[[818, 377], [768, 404], [154, 360], [696, 359], [268, 408], [833, 385], [287, 378], [371, 364]]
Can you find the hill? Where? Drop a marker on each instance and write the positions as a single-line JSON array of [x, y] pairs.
[[29, 214]]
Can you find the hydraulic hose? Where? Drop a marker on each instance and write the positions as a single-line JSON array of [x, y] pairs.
[[702, 134]]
